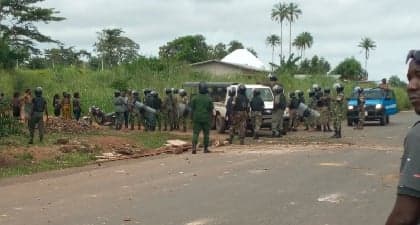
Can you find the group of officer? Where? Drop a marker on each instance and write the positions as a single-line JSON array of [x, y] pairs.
[[151, 111]]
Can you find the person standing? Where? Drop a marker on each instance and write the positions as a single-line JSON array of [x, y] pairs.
[[39, 106], [279, 105], [56, 105], [119, 110], [183, 109], [26, 105], [134, 111], [384, 85], [16, 104], [338, 110], [406, 209], [327, 102], [360, 108], [293, 106], [169, 110], [126, 96], [66, 106], [201, 110], [229, 106], [257, 108], [240, 115], [77, 107]]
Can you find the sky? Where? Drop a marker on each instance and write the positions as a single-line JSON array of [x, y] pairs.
[[337, 26]]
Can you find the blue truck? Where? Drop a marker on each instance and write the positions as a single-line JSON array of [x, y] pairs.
[[380, 104]]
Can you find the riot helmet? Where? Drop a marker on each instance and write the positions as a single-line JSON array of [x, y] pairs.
[[146, 91], [292, 95], [256, 92], [182, 92], [232, 92], [241, 89], [271, 77], [327, 91], [202, 88], [174, 90], [154, 94], [117, 93], [168, 91], [38, 91]]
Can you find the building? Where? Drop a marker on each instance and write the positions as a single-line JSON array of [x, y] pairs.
[[240, 61]]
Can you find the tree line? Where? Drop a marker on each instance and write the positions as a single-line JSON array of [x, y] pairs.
[[19, 36]]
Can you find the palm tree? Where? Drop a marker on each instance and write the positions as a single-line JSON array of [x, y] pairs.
[[367, 45], [272, 40], [302, 42], [293, 13], [279, 14]]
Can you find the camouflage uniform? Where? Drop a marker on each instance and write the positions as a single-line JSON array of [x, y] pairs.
[[279, 106], [169, 111], [338, 114], [257, 107], [240, 115], [327, 102], [361, 110], [134, 113], [39, 106], [183, 111], [293, 106], [119, 110]]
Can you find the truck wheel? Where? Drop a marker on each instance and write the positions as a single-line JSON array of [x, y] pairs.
[[382, 121], [387, 119], [349, 122], [220, 124]]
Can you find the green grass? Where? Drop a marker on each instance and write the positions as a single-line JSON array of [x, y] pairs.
[[26, 166]]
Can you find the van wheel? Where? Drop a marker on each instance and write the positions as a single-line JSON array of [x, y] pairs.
[[349, 122], [220, 124], [382, 121]]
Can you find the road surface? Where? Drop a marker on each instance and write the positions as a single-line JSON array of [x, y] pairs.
[[352, 182]]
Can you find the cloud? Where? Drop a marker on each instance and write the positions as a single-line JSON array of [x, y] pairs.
[[336, 25]]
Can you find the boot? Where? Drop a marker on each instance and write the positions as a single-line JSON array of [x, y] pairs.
[[324, 128], [132, 127], [206, 149], [31, 141], [335, 134], [194, 149], [230, 139], [255, 135], [318, 128], [242, 141], [328, 128], [339, 133]]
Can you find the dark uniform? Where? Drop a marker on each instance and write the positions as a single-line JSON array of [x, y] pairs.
[[119, 105], [279, 105], [257, 108], [183, 109], [229, 107], [169, 109], [293, 106], [201, 109], [135, 115], [240, 115], [327, 101], [39, 106]]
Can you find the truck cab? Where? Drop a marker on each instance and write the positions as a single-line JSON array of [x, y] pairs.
[[380, 104]]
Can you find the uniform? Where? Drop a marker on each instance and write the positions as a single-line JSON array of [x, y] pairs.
[[293, 106], [361, 109], [119, 110], [183, 111], [169, 111], [39, 106], [201, 108], [135, 115], [257, 107], [240, 115], [279, 106]]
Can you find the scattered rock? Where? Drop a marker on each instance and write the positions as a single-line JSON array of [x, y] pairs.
[[62, 141]]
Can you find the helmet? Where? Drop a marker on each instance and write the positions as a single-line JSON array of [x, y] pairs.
[[168, 91], [315, 87], [135, 93], [292, 95], [182, 92], [271, 77], [146, 91], [38, 91], [231, 92], [174, 90], [338, 87], [300, 93], [327, 90], [154, 93], [358, 89], [202, 88], [256, 92], [117, 93], [311, 93], [241, 89]]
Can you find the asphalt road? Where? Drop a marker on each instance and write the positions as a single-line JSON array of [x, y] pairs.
[[349, 183]]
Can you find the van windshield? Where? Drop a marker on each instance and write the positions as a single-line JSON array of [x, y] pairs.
[[266, 94], [370, 94]]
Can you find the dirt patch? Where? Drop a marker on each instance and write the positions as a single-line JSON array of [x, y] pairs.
[[110, 142]]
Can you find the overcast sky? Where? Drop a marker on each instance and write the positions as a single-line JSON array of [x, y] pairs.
[[336, 25]]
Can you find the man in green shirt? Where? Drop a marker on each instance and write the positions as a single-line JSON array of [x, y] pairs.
[[407, 206], [202, 108]]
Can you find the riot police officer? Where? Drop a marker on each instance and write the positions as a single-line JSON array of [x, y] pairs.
[[280, 103], [240, 114], [257, 108], [39, 106], [119, 105], [338, 109]]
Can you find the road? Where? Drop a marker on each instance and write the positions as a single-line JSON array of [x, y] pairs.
[[349, 183]]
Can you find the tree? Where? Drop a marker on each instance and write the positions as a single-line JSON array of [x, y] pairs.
[[252, 51], [190, 49], [302, 42], [293, 13], [233, 45], [367, 45], [395, 81], [350, 69], [115, 49], [272, 41], [219, 51], [18, 21], [314, 66], [279, 14], [65, 56], [290, 66]]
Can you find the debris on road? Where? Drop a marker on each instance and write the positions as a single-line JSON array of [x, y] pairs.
[[58, 125], [332, 198]]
